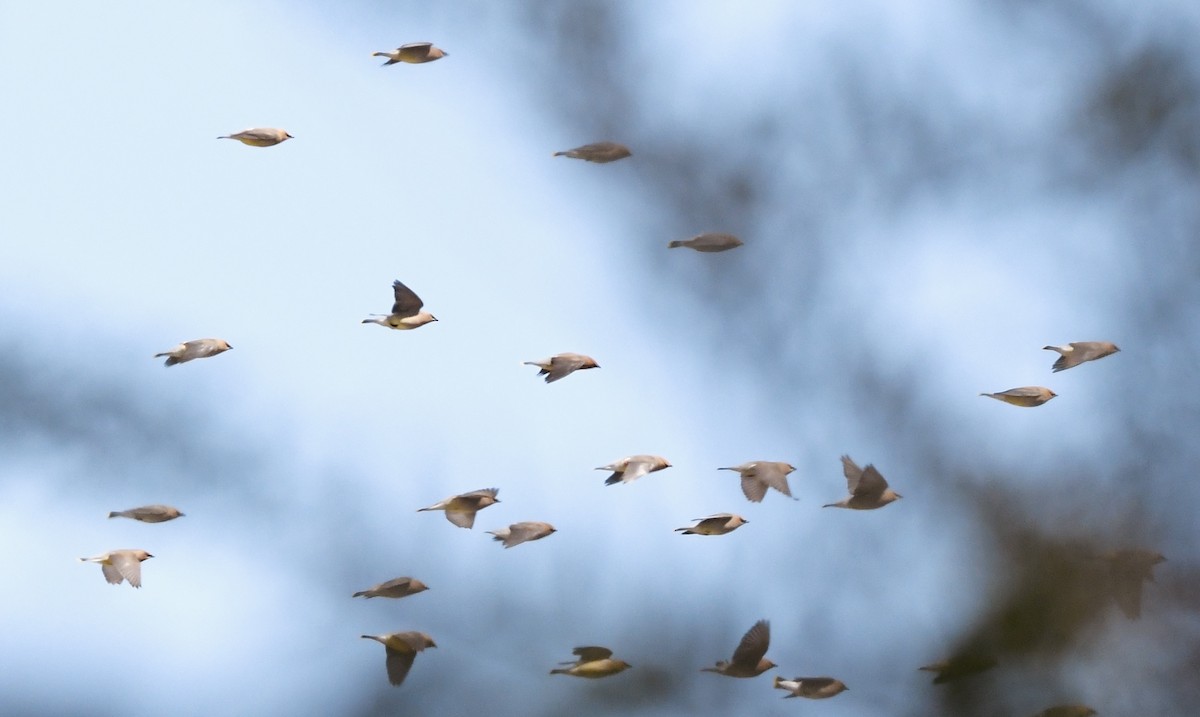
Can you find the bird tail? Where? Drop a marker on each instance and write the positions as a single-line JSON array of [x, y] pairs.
[[710, 669], [685, 531], [114, 514], [778, 679], [675, 244], [360, 593], [557, 671]]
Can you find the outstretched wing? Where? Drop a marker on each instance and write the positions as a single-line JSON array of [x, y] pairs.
[[407, 301]]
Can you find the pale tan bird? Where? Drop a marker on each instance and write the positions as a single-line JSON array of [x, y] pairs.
[[522, 532], [118, 565], [1127, 570], [757, 476], [406, 312], [259, 136], [460, 509], [1077, 352], [1067, 711], [599, 152], [718, 524], [868, 489], [630, 469], [959, 666], [394, 588], [748, 659], [402, 649], [1026, 396], [149, 513], [199, 348], [593, 663], [814, 688], [708, 243], [562, 365], [413, 53]]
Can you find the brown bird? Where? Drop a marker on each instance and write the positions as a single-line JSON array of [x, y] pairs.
[[593, 663], [1026, 396], [1067, 711], [748, 659], [118, 565], [199, 348], [1077, 352], [1127, 570], [562, 365], [599, 152], [394, 588], [259, 136], [959, 666], [708, 243], [718, 524], [414, 53], [630, 469], [149, 513], [406, 312], [868, 489], [523, 532], [757, 476], [460, 509], [402, 649], [814, 688]]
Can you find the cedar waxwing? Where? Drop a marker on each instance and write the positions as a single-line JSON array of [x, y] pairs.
[[562, 365], [1127, 570], [757, 476], [594, 663], [748, 659], [413, 53], [868, 489], [1026, 396], [718, 524], [959, 666], [1077, 352], [259, 136], [406, 312], [1067, 711], [149, 513], [394, 588], [460, 509], [523, 532], [188, 350], [814, 688], [118, 565], [402, 649], [599, 152], [630, 469], [708, 243]]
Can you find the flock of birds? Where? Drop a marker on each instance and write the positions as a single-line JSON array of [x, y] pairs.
[[868, 490]]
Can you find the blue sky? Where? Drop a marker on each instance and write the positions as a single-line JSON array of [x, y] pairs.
[[923, 214]]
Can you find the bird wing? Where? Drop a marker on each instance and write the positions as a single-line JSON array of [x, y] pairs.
[[562, 366], [399, 662], [407, 301], [463, 519], [111, 574], [869, 483], [753, 645], [852, 472], [635, 469], [591, 653], [754, 489], [416, 46], [128, 566], [482, 492], [1023, 392]]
